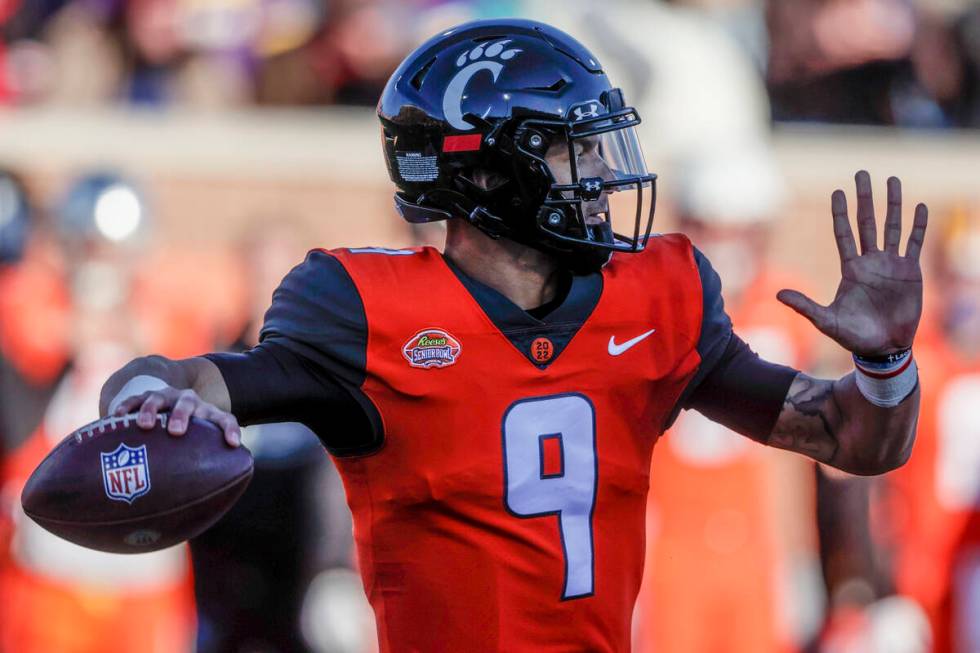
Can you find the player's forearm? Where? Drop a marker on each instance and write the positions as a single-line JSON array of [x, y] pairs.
[[832, 422], [198, 374]]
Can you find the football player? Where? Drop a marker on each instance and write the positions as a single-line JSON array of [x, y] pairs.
[[493, 409]]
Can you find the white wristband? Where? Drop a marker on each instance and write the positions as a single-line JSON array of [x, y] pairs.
[[887, 390], [136, 386]]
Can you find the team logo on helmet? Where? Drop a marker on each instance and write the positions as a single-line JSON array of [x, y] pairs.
[[126, 473], [482, 57], [431, 348]]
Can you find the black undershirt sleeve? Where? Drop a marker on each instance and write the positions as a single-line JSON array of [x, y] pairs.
[[743, 392], [272, 383], [310, 363], [732, 385]]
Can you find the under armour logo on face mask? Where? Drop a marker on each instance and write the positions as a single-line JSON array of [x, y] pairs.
[[590, 110]]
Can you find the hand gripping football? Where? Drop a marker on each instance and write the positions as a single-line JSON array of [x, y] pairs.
[[115, 487]]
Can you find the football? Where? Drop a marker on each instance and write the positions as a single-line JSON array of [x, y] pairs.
[[113, 486]]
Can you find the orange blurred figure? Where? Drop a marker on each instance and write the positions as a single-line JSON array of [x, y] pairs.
[[933, 509], [71, 323], [716, 554]]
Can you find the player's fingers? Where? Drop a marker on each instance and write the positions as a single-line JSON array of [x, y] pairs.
[[846, 247], [867, 230], [918, 235], [187, 404], [819, 315], [893, 217], [130, 404], [147, 416], [227, 422], [232, 431]]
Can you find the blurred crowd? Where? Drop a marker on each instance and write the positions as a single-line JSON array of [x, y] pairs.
[[211, 54], [907, 63], [749, 550], [72, 275]]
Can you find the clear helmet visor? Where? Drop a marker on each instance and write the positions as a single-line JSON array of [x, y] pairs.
[[620, 150], [612, 156], [601, 175]]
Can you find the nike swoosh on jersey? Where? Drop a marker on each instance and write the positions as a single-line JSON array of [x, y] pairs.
[[616, 350]]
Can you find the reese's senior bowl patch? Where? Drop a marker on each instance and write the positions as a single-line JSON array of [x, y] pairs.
[[431, 348]]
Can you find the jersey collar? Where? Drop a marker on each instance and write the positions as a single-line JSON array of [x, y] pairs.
[[521, 328]]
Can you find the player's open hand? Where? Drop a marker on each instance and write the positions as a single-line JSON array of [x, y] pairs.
[[182, 405], [879, 300]]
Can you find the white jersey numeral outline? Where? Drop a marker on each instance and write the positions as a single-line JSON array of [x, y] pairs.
[[530, 492]]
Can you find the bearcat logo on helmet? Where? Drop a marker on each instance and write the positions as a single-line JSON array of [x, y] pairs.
[[500, 100], [126, 473], [480, 58], [431, 348]]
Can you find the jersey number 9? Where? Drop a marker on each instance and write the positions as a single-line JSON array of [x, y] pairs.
[[568, 490]]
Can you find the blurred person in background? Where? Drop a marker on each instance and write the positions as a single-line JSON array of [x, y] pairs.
[[696, 88], [836, 60], [909, 63], [946, 57], [930, 526], [15, 217], [213, 54], [744, 20], [251, 591], [730, 524], [59, 596], [33, 352], [20, 378]]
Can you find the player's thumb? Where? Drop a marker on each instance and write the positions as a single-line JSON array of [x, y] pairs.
[[811, 310]]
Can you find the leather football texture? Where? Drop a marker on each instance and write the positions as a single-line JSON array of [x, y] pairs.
[[113, 486]]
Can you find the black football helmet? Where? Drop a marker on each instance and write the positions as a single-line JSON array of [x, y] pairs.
[[493, 122]]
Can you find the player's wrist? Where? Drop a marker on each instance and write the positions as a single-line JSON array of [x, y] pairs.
[[882, 358], [886, 380]]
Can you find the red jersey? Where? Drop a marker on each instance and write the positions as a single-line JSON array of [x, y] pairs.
[[503, 506]]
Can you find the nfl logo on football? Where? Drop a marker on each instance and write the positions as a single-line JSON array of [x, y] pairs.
[[126, 473]]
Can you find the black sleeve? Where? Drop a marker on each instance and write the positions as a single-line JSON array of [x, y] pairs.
[[716, 331], [271, 383], [732, 385], [743, 392], [310, 363]]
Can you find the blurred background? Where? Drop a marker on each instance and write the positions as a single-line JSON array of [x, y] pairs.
[[165, 162]]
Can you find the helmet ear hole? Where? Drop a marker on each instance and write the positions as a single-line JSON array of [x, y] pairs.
[[483, 180]]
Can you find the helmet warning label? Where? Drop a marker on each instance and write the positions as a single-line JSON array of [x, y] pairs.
[[412, 166]]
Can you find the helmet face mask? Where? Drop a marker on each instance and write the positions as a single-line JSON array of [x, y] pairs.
[[513, 126], [590, 158]]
